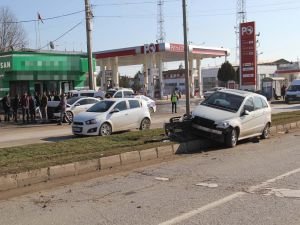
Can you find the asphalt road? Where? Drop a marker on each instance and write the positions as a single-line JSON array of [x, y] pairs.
[[254, 183], [16, 135]]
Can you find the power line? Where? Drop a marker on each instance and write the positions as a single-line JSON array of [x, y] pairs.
[[68, 31], [44, 19], [133, 3]]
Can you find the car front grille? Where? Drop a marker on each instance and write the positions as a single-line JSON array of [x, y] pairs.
[[77, 123], [204, 122]]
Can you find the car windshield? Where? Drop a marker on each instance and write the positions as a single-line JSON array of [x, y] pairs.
[[71, 101], [224, 101], [101, 106], [294, 88]]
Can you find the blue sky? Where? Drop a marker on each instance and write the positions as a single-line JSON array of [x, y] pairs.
[[124, 23]]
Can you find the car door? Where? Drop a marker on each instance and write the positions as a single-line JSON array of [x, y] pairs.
[[247, 119], [260, 114], [79, 106], [134, 113], [119, 118]]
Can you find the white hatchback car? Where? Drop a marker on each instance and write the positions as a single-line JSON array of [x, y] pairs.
[[231, 115], [150, 102], [112, 115]]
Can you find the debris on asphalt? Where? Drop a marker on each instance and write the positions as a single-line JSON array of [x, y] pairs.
[[162, 178], [210, 185], [284, 193]]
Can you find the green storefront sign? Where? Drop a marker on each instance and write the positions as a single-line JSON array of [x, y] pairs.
[[42, 71]]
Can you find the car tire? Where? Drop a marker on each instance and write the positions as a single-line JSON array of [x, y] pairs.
[[266, 132], [69, 117], [145, 124], [231, 138], [105, 129]]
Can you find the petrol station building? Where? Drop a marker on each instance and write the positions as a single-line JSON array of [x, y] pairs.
[[152, 56]]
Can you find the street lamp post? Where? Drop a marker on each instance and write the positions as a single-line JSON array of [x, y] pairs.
[[186, 57]]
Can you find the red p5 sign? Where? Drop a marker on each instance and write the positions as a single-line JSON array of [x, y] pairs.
[[248, 53]]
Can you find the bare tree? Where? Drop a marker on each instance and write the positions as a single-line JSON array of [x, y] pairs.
[[12, 34]]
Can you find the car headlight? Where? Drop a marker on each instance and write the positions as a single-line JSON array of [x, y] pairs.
[[92, 121], [224, 124]]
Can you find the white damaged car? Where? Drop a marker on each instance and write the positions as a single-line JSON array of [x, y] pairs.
[[112, 115], [231, 115]]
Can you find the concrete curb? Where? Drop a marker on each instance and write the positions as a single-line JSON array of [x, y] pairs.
[[13, 181]]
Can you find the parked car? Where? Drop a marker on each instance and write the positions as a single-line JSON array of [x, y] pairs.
[[87, 93], [207, 93], [293, 92], [112, 115], [119, 93], [230, 115], [150, 102], [75, 105]]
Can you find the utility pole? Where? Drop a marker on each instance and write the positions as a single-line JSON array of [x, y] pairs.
[[186, 59], [88, 17]]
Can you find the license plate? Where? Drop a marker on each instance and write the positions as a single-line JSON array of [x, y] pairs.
[[77, 129]]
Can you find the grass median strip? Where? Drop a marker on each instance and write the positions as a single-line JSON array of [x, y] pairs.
[[35, 156], [285, 117]]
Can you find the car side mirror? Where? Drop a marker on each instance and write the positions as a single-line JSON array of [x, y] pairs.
[[115, 110], [77, 104], [245, 113]]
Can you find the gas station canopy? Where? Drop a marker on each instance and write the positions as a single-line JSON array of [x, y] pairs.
[[169, 52]]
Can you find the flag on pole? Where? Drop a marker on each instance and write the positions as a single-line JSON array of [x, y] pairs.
[[39, 17]]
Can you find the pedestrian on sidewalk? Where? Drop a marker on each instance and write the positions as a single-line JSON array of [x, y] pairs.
[[6, 107], [15, 106], [43, 106], [32, 108], [25, 107], [62, 106], [174, 100]]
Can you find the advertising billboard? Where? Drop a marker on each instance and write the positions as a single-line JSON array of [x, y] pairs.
[[248, 54]]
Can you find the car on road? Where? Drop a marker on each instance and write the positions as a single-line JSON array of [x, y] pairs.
[[150, 102], [87, 93], [207, 93], [110, 115], [230, 115], [293, 92], [119, 93], [75, 105]]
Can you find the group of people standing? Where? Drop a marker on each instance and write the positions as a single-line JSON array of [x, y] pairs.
[[28, 103]]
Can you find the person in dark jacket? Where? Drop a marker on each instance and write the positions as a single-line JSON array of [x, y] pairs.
[[43, 107], [62, 106], [25, 107], [15, 106], [6, 107], [32, 107]]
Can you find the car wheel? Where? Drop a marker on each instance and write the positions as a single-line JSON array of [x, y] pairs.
[[105, 129], [145, 124], [231, 138], [266, 132], [69, 117]]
